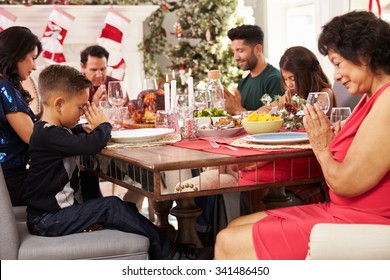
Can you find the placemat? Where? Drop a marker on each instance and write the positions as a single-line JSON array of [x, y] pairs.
[[241, 142], [166, 139]]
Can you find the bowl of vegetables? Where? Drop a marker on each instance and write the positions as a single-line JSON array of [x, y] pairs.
[[209, 115]]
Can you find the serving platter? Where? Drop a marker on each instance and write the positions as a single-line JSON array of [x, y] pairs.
[[278, 138]]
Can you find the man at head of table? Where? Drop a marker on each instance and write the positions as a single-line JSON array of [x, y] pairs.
[[93, 62], [247, 45]]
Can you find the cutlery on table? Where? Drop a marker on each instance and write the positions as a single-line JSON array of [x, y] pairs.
[[216, 145]]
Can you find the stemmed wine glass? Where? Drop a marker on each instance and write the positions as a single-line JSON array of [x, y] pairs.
[[339, 114], [117, 98], [149, 84], [319, 98]]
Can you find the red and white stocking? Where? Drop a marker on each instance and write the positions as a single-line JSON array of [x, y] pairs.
[[111, 37], [54, 36], [7, 19]]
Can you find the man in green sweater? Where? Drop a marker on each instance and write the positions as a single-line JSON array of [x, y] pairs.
[[247, 45]]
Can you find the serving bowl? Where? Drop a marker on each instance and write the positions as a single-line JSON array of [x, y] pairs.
[[257, 127]]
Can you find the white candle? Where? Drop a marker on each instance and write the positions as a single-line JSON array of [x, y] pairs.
[[190, 82], [167, 95], [173, 91]]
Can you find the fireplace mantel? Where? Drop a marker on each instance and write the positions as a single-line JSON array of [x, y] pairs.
[[86, 28]]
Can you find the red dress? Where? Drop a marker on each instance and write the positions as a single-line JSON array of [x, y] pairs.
[[284, 233]]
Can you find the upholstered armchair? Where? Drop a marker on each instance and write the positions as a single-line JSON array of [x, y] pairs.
[[349, 242], [17, 243]]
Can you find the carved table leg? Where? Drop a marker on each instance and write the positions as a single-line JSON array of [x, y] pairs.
[[277, 198], [186, 213], [161, 209]]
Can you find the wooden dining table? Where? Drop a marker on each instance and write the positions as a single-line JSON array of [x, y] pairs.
[[155, 171]]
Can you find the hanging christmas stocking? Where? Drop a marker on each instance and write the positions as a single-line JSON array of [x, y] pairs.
[[111, 37], [54, 36], [6, 19]]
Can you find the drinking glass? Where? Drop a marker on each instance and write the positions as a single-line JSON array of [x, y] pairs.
[[149, 84], [340, 114], [166, 120], [200, 99], [117, 98], [319, 98], [182, 106]]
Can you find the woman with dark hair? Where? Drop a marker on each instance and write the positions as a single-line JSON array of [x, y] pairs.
[[301, 73], [358, 46], [19, 48]]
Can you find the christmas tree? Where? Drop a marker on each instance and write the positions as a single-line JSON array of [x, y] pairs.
[[202, 42]]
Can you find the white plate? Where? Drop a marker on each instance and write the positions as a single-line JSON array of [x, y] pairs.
[[228, 132], [278, 138], [142, 134]]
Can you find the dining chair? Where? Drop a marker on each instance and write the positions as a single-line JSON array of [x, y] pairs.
[[349, 242], [17, 243]]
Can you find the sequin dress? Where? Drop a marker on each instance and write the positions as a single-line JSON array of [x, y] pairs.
[[13, 151]]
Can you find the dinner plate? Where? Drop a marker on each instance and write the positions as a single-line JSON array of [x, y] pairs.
[[228, 132], [278, 138], [138, 135]]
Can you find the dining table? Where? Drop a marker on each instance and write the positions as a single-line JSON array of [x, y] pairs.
[[166, 169]]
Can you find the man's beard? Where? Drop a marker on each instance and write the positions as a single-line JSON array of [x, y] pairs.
[[250, 63]]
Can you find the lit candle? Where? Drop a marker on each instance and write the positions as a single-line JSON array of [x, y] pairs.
[[167, 97], [173, 91], [190, 82]]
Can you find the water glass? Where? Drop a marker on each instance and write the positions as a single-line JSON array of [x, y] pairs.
[[125, 114], [319, 98], [166, 120], [200, 99], [114, 115], [340, 114]]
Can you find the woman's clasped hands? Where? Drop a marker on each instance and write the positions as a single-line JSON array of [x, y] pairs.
[[318, 127]]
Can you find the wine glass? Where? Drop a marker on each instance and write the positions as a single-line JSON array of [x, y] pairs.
[[117, 98], [319, 98], [339, 114], [149, 84]]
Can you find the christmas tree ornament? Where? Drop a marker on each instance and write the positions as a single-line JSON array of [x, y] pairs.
[[182, 74], [208, 35], [7, 19], [54, 35], [111, 37], [177, 30]]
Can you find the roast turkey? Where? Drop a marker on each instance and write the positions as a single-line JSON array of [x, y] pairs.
[[143, 109]]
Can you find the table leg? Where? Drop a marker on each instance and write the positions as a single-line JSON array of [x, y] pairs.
[[277, 198], [186, 213], [161, 209]]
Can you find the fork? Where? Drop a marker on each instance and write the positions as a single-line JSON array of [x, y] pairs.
[[216, 145]]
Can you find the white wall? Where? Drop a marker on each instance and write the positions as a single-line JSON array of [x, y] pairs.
[[271, 16]]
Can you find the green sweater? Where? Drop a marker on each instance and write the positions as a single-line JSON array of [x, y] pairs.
[[253, 88]]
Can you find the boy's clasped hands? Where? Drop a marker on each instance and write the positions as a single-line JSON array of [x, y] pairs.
[[94, 116]]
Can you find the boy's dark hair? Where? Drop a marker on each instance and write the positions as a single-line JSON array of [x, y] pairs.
[[251, 34], [15, 43], [95, 51], [61, 78]]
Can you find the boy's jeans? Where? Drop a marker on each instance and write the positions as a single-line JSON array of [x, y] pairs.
[[111, 212]]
